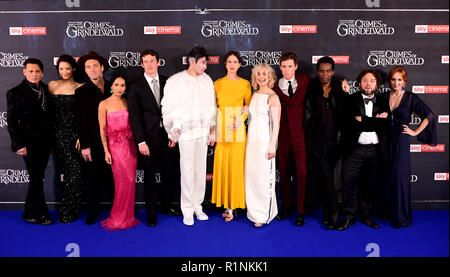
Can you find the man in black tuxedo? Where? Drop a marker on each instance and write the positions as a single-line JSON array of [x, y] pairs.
[[157, 152], [29, 126], [87, 99], [369, 118]]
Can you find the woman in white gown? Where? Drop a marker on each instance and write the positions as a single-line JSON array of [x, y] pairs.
[[264, 124]]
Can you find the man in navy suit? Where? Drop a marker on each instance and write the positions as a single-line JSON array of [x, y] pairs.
[[156, 151]]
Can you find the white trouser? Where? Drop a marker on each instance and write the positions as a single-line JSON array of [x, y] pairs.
[[193, 175]]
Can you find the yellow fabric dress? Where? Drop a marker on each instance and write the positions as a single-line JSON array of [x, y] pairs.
[[228, 189]]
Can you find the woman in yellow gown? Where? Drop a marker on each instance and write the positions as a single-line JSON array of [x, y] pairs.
[[232, 94]]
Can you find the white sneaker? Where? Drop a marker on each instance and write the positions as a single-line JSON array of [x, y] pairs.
[[201, 215], [189, 221]]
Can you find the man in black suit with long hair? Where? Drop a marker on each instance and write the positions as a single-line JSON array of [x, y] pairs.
[[156, 151], [29, 126], [367, 143]]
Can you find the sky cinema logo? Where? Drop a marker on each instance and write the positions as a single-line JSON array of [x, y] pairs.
[[363, 28], [298, 29], [431, 29], [55, 60], [12, 59], [426, 148], [211, 60], [392, 58], [14, 176], [92, 29], [444, 59], [336, 59], [252, 58], [441, 176], [162, 30], [27, 31], [430, 89], [220, 28], [443, 118]]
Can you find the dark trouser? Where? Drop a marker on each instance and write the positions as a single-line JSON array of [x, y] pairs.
[[297, 145], [36, 162], [94, 173], [166, 161], [360, 173], [324, 160]]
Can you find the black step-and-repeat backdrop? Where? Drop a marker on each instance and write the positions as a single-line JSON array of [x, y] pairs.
[[357, 34]]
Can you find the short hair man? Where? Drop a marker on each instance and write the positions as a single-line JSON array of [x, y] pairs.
[[156, 150], [29, 126], [189, 114], [323, 119]]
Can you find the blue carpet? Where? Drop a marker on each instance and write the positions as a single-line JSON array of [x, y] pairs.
[[428, 237]]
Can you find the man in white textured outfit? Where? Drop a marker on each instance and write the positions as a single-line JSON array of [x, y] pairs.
[[189, 114]]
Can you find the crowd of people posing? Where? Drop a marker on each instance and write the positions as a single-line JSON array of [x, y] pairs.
[[99, 130]]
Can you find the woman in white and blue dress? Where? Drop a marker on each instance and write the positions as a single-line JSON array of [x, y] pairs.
[[264, 124]]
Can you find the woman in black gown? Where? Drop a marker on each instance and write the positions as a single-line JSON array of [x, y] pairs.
[[403, 103], [66, 143]]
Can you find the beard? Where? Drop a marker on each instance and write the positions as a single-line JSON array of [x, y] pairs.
[[369, 93]]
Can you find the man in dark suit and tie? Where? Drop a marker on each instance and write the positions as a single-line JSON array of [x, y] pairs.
[[87, 99], [369, 122], [29, 126], [157, 152]]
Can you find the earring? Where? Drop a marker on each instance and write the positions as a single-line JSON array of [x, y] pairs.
[[111, 91]]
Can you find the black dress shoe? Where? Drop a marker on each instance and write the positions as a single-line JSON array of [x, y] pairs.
[[151, 220], [30, 220], [92, 217], [172, 211], [369, 222], [283, 215], [345, 224], [333, 222], [300, 220]]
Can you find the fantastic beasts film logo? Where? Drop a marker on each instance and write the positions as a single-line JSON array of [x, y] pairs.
[[12, 176], [391, 58], [363, 28], [252, 58], [228, 28], [92, 29], [12, 59]]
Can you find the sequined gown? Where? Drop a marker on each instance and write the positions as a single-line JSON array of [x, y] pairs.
[[124, 161], [68, 157]]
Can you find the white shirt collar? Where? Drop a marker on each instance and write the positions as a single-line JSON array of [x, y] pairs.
[[150, 79]]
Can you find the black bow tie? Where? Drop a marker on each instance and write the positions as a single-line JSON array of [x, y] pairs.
[[367, 100]]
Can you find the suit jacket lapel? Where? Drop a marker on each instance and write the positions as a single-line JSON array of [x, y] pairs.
[[362, 107], [376, 106]]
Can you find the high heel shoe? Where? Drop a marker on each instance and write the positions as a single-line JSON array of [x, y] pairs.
[[229, 215]]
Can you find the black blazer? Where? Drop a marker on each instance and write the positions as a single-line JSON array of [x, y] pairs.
[[87, 99], [313, 100], [145, 114], [369, 124], [27, 121]]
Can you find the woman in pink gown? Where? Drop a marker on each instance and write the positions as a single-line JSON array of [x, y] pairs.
[[120, 153]]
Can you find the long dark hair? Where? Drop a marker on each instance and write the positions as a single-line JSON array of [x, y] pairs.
[[120, 75], [77, 75]]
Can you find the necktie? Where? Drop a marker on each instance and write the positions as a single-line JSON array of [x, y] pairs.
[[290, 90], [156, 90], [367, 100]]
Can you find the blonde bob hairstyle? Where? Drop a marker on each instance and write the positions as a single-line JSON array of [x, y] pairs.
[[270, 74]]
